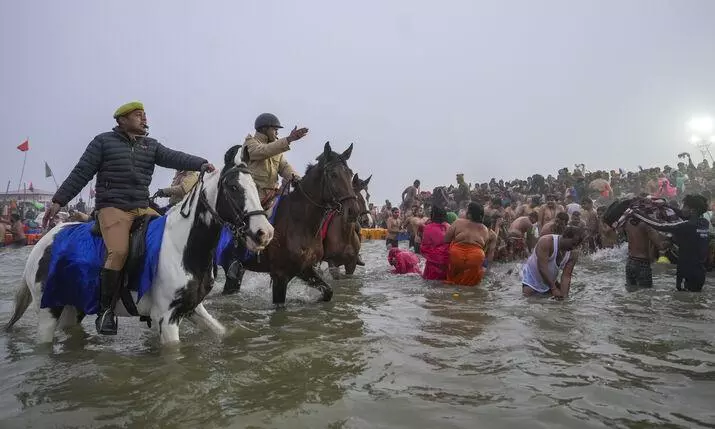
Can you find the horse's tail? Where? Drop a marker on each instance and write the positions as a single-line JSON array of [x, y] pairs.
[[23, 298]]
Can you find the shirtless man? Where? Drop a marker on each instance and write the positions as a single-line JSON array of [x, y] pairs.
[[394, 226], [531, 206], [553, 253], [642, 240], [577, 221], [410, 195], [414, 226], [590, 217], [494, 224], [608, 236], [523, 234], [549, 211], [510, 212], [556, 226]]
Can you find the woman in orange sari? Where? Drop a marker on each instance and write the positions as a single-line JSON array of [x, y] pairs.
[[467, 238]]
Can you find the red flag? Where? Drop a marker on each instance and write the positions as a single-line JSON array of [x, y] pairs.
[[24, 146], [31, 188]]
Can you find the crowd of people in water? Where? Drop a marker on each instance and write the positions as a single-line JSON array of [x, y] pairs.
[[663, 214]]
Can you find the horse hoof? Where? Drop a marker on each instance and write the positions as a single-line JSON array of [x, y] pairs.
[[280, 306], [327, 295]]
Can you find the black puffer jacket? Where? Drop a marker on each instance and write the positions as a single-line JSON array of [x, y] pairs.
[[124, 169]]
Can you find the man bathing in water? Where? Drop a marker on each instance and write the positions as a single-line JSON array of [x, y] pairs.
[[641, 241], [468, 238], [523, 234], [410, 196], [549, 211], [556, 226], [415, 223], [553, 253], [394, 226]]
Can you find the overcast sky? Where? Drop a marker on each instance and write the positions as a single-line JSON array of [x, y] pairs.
[[425, 89]]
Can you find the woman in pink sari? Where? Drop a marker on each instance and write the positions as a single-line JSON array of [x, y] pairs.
[[403, 261], [433, 247]]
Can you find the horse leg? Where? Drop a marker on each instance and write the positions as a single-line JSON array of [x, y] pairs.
[[234, 278], [47, 323], [334, 270], [201, 317], [279, 285], [350, 267], [68, 318], [314, 279], [168, 329]]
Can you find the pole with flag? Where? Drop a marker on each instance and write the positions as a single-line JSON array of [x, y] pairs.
[[48, 173], [23, 147]]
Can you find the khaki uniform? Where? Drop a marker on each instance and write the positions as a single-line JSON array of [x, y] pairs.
[[267, 163], [181, 185], [115, 225]]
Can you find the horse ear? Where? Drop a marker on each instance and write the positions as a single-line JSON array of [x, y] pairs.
[[327, 150], [349, 151], [230, 157], [366, 181], [356, 180]]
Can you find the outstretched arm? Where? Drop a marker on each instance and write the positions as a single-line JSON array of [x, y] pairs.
[[81, 174]]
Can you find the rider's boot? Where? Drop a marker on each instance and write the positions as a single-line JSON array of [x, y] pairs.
[[234, 278], [106, 322]]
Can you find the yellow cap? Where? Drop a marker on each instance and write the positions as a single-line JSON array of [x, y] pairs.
[[128, 108]]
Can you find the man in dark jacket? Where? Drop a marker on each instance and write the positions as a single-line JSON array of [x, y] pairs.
[[123, 160]]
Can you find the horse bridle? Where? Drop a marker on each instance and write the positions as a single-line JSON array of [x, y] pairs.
[[336, 203], [239, 229]]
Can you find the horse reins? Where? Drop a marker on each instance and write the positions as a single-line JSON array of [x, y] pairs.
[[335, 204], [239, 229]]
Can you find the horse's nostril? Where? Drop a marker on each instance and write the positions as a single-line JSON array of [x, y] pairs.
[[260, 234]]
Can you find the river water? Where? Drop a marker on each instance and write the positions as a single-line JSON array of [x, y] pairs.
[[388, 352]]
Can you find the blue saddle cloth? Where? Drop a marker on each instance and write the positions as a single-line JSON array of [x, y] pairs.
[[77, 261], [226, 241]]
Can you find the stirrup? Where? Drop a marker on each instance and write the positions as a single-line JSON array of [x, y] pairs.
[[106, 323]]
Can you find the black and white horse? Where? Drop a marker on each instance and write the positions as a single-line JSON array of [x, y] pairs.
[[184, 271]]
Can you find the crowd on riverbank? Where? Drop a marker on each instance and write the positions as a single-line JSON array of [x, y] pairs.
[[518, 212]]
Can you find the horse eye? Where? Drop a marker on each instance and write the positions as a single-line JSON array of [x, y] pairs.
[[234, 188]]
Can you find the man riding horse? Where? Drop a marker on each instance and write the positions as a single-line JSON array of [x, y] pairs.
[[123, 160], [264, 153]]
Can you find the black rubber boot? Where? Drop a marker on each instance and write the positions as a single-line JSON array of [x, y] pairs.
[[234, 278], [107, 322]]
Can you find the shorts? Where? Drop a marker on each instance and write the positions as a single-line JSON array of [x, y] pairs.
[[639, 272], [392, 242]]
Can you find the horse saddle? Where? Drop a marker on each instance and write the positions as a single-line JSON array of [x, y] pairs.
[[137, 250]]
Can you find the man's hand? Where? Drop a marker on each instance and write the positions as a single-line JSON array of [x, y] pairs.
[[160, 194], [207, 166], [297, 134], [50, 213], [295, 179]]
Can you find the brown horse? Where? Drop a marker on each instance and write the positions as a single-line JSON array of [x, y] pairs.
[[297, 247], [342, 241]]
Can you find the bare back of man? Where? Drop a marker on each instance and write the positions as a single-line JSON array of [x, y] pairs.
[[641, 241], [468, 232], [520, 227], [550, 228]]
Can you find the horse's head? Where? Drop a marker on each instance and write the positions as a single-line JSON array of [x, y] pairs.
[[363, 197], [236, 203], [329, 182]]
